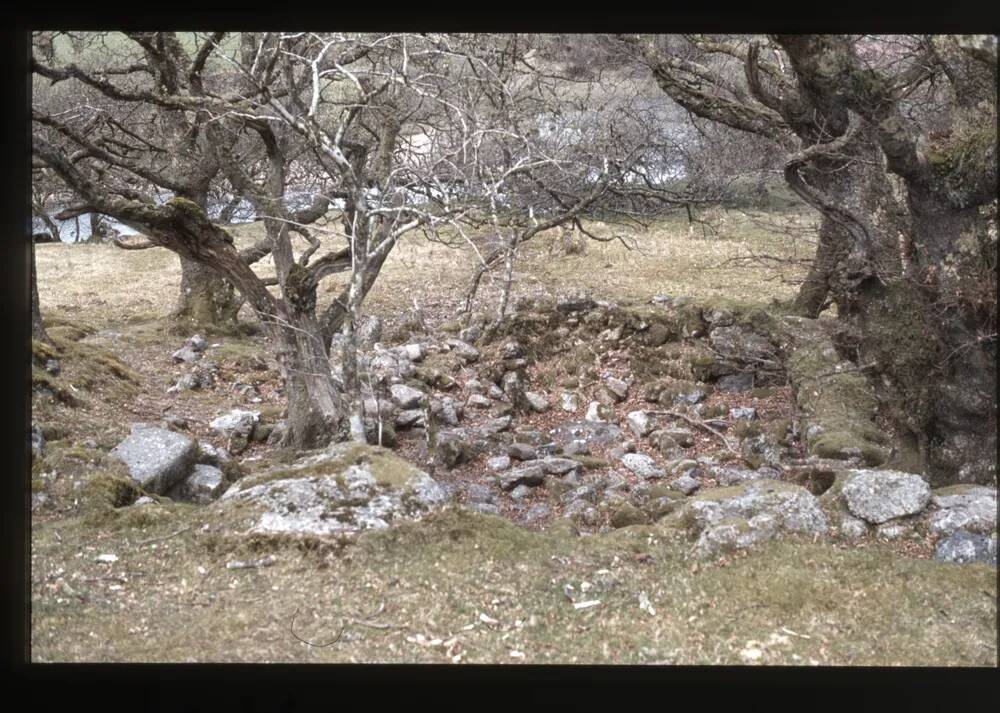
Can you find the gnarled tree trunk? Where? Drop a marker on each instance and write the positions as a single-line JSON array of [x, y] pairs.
[[207, 299]]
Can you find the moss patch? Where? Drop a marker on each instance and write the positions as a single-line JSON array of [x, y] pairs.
[[837, 404], [387, 468], [108, 489]]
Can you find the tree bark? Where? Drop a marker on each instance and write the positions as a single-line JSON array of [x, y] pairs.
[[207, 299], [37, 325], [936, 356], [814, 292]]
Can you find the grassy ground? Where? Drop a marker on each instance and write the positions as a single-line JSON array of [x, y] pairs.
[[476, 589], [458, 587], [98, 282]]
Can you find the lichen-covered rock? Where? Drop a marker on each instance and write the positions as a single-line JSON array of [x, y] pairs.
[[558, 466], [522, 451], [664, 443], [347, 488], [185, 355], [394, 363], [877, 496], [836, 402], [640, 423], [966, 548], [478, 401], [237, 426], [377, 432], [682, 393], [686, 484], [447, 410], [478, 493], [205, 484], [536, 513], [792, 507], [683, 437], [683, 466], [409, 418], [642, 465], [498, 463], [471, 333], [520, 492], [741, 347], [155, 457], [617, 388], [568, 402], [536, 402], [597, 412], [591, 432], [525, 475], [406, 397], [736, 383], [852, 527], [964, 507], [728, 475], [734, 533], [465, 351], [382, 408], [497, 425], [200, 376], [513, 387]]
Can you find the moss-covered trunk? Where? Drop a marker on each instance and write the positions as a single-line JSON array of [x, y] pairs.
[[317, 412], [207, 300], [857, 182], [934, 347]]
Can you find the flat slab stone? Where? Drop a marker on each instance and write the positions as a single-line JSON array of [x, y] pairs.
[[558, 466], [591, 432], [642, 465], [156, 458], [525, 475], [877, 496]]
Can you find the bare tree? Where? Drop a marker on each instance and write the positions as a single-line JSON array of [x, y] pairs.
[[137, 145], [402, 130], [893, 141]]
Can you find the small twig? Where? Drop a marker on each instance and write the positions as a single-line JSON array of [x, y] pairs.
[[291, 628], [861, 367], [704, 426], [374, 625], [165, 537]]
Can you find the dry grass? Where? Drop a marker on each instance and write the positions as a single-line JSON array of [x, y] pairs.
[[109, 285], [475, 589]]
